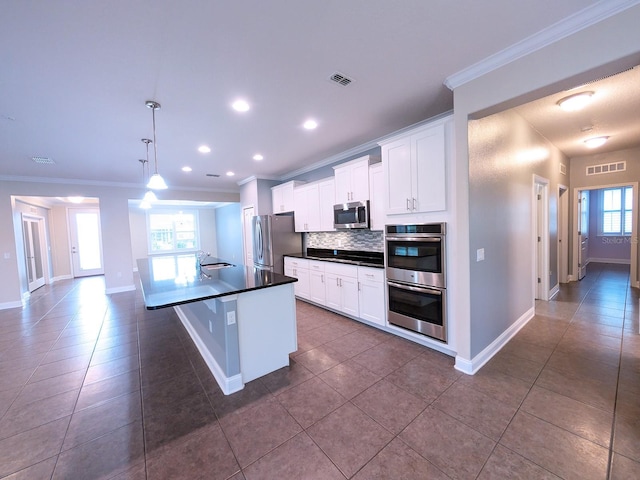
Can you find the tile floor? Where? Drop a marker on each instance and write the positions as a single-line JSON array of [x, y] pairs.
[[95, 386]]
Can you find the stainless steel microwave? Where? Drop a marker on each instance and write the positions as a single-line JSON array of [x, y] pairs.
[[351, 215]]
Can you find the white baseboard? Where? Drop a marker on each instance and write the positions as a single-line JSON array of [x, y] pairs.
[[554, 291], [61, 277], [7, 305], [570, 278], [228, 385], [617, 261], [126, 288], [470, 367]]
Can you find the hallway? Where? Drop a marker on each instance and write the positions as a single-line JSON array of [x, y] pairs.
[[95, 386]]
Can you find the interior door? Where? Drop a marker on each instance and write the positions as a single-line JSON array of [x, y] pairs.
[[86, 241], [33, 232], [583, 233]]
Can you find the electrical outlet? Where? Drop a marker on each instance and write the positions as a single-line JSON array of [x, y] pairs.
[[231, 317]]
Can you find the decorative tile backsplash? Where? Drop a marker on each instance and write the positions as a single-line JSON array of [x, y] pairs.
[[371, 241]]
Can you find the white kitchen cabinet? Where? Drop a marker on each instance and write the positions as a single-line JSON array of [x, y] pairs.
[[313, 210], [342, 288], [317, 290], [352, 180], [282, 196], [371, 290], [414, 165], [298, 268], [327, 199], [376, 190]]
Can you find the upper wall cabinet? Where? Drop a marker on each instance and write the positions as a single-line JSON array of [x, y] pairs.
[[282, 196], [415, 169], [376, 205], [352, 180], [314, 206]]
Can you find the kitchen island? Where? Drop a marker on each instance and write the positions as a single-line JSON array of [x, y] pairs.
[[241, 319]]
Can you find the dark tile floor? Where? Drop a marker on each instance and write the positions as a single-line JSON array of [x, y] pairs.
[[95, 386]]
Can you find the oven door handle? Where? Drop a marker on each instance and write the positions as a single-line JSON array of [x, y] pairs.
[[415, 239], [404, 286]]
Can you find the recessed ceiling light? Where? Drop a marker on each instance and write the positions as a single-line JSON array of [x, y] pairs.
[[595, 142], [310, 124], [75, 199], [258, 157], [186, 169], [240, 105], [575, 102], [230, 174], [204, 149]]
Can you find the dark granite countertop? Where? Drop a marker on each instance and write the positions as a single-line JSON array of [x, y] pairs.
[[169, 280], [353, 257]]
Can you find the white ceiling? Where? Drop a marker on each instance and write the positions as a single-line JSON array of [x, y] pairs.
[[75, 76]]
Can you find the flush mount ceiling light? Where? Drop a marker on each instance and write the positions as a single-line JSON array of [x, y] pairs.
[[186, 169], [576, 102], [258, 157], [595, 142], [204, 149], [156, 182], [310, 124], [230, 174], [240, 105]]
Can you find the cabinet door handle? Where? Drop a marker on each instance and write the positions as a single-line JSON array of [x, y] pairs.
[[358, 286], [408, 207], [321, 278], [337, 282], [341, 282], [414, 203]]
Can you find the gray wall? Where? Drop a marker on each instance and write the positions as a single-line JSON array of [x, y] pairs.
[[229, 232], [604, 48], [501, 211]]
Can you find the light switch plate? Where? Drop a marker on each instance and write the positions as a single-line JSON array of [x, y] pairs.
[[231, 317], [480, 255]]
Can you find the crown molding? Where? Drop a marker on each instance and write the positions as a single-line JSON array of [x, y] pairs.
[[568, 26], [72, 181]]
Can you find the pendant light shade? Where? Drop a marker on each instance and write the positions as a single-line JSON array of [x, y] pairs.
[[149, 196], [156, 182]]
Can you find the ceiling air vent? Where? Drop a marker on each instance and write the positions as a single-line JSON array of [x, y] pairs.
[[44, 160], [606, 168], [340, 79], [215, 175]]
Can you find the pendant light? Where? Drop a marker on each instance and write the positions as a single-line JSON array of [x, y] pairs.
[[144, 203], [149, 197], [156, 182]]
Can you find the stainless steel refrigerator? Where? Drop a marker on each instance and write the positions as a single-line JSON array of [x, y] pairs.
[[273, 237]]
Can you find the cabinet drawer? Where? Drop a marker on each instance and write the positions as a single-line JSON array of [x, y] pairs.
[[341, 270], [296, 262], [317, 266], [368, 274]]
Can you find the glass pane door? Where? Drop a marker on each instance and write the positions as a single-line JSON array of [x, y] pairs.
[[86, 242]]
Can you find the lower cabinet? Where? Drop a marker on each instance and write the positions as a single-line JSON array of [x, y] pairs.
[[353, 290], [317, 290], [371, 290], [298, 268], [342, 288]]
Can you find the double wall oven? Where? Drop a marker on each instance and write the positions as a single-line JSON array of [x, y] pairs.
[[416, 281]]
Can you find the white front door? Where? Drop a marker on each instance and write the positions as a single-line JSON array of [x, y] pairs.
[[86, 241], [583, 233], [247, 230], [33, 231]]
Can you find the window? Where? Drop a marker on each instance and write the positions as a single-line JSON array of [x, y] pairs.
[[173, 231], [616, 211]]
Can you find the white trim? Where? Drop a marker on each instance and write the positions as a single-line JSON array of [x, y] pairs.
[[471, 367], [228, 385], [25, 298], [554, 291], [126, 288], [61, 277], [567, 26], [7, 305], [617, 261]]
